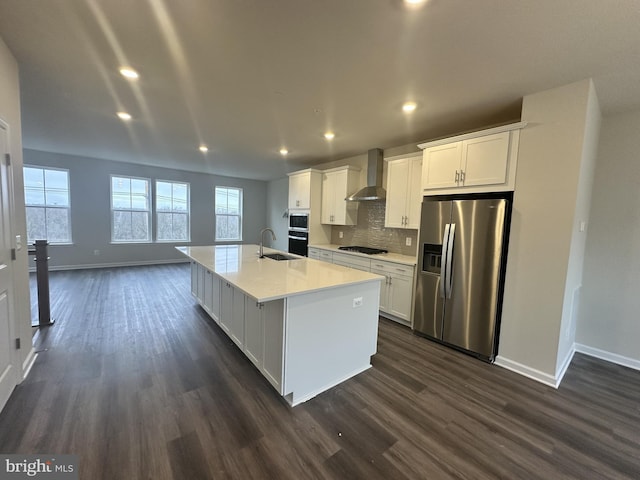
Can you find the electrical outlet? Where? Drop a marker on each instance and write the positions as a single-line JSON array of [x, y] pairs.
[[96, 252], [357, 302], [407, 241], [340, 235]]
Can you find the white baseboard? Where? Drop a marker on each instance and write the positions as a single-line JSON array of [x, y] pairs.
[[608, 356], [28, 363], [526, 371], [111, 265], [565, 365]]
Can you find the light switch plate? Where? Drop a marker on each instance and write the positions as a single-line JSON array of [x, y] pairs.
[[18, 242]]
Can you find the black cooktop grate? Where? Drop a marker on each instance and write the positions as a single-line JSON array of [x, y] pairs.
[[367, 250]]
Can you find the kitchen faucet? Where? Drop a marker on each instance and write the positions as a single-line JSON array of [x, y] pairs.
[[262, 238]]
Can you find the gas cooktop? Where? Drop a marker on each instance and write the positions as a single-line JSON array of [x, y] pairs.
[[367, 250]]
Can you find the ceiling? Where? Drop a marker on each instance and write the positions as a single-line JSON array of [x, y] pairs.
[[248, 77]]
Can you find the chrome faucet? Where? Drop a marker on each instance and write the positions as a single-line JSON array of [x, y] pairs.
[[262, 239]]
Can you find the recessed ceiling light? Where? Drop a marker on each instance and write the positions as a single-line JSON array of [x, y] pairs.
[[123, 116], [284, 151], [409, 107], [203, 148], [329, 135], [414, 2], [129, 73]]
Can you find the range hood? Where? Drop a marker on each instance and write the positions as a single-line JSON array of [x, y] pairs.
[[373, 191]]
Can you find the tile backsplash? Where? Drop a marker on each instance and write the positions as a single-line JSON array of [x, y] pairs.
[[370, 231]]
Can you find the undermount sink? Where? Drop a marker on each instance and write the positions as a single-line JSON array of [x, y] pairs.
[[279, 256]]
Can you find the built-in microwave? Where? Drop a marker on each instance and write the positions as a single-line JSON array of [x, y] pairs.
[[299, 222]]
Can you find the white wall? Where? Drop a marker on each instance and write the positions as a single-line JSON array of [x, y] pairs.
[[542, 230], [89, 180], [10, 113], [609, 324]]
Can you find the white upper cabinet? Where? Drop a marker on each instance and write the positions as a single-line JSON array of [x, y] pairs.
[[300, 189], [404, 192], [477, 162], [337, 184]]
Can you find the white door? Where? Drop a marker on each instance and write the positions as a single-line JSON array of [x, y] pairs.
[[8, 370]]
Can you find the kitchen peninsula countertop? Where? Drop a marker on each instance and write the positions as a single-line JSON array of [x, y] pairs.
[[389, 257], [265, 279]]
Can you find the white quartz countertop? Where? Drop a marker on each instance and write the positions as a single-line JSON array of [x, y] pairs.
[[265, 279], [389, 257]]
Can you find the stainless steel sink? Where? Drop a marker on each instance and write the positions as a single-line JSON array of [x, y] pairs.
[[279, 256]]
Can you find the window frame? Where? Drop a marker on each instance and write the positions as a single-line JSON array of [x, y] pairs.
[[45, 206], [239, 215], [187, 213], [149, 210]]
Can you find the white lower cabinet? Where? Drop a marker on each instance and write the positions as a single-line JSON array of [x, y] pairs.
[[257, 328], [314, 253], [232, 313], [396, 292], [194, 279], [264, 338]]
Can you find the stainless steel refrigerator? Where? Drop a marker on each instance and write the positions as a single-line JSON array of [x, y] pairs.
[[461, 263]]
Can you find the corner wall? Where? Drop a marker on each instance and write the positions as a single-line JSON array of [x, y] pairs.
[[540, 269]]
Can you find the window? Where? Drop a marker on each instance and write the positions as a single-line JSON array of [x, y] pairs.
[[130, 210], [172, 211], [228, 213], [46, 195]]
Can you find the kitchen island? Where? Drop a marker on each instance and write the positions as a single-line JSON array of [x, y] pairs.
[[305, 324]]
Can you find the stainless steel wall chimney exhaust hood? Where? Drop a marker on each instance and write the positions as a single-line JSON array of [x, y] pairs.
[[373, 191]]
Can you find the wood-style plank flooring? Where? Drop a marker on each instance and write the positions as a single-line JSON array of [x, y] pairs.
[[138, 381]]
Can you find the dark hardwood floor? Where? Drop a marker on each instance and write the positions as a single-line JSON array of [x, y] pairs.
[[137, 380]]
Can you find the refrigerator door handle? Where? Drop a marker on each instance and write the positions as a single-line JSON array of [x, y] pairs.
[[449, 264], [443, 271]]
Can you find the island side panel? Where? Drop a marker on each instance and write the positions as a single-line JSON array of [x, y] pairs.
[[328, 340]]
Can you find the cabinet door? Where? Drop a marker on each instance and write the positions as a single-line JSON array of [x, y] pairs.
[[273, 325], [439, 166], [200, 289], [236, 326], [253, 332], [384, 289], [313, 253], [226, 306], [328, 198], [215, 297], [208, 290], [340, 185], [194, 279], [398, 173], [300, 190], [400, 296], [414, 194], [484, 159]]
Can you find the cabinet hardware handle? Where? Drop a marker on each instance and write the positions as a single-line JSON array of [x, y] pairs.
[[457, 176], [389, 280], [462, 174]]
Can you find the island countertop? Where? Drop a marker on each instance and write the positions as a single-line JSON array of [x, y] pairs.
[[265, 279]]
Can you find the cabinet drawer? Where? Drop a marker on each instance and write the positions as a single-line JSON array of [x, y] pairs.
[[326, 256], [352, 261], [313, 253], [392, 268]]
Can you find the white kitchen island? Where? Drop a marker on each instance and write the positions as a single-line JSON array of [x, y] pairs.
[[305, 324]]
